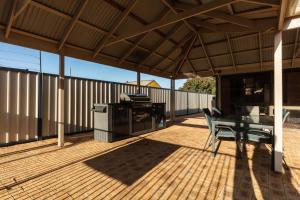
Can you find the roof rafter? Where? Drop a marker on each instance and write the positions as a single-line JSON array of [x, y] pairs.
[[206, 25], [173, 19], [138, 41], [192, 66], [230, 9], [241, 21], [295, 47], [230, 50], [31, 40], [77, 15], [10, 18], [181, 43], [189, 26], [85, 24], [273, 3], [283, 8], [115, 26], [137, 18], [205, 53], [185, 56], [21, 6], [161, 42], [269, 48], [181, 53]]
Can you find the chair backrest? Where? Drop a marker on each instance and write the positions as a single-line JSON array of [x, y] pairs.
[[206, 111], [285, 114], [208, 118], [216, 112]]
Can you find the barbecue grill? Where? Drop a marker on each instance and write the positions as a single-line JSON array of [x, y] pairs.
[[134, 115]]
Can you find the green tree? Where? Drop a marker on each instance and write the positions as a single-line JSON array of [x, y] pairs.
[[202, 85]]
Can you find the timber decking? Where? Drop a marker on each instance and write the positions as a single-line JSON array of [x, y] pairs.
[[174, 163]]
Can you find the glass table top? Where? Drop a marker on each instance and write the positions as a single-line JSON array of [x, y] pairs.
[[253, 119]]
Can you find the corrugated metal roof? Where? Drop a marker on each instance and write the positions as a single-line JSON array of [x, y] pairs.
[[5, 6], [45, 22], [221, 61], [41, 22], [86, 38]]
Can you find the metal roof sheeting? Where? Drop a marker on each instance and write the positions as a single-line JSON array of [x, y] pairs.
[[41, 22], [43, 25]]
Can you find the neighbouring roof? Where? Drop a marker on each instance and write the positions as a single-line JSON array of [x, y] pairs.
[[224, 36], [144, 82]]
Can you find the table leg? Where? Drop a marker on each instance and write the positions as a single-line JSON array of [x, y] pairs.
[[272, 154], [213, 139]]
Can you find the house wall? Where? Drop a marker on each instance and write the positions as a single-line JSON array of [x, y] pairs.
[[154, 84], [291, 92]]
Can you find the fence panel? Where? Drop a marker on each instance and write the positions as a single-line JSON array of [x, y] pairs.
[[19, 100], [18, 106], [193, 103], [181, 103]]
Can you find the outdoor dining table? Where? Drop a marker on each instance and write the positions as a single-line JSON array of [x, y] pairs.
[[242, 123]]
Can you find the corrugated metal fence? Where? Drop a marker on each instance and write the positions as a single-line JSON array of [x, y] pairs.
[[19, 100]]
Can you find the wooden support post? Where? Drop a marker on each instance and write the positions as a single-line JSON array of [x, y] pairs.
[[138, 82], [172, 106], [278, 102], [218, 91], [61, 89]]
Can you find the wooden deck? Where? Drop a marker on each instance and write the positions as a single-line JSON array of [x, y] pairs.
[[174, 163]]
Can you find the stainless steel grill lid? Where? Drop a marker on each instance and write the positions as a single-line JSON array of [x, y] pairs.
[[124, 97]]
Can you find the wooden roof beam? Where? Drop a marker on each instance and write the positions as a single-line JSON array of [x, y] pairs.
[[205, 53], [85, 24], [273, 3], [115, 26], [269, 48], [283, 8], [138, 41], [241, 21], [206, 25], [230, 51], [77, 15], [173, 19], [10, 18], [140, 20], [186, 53], [21, 6], [161, 42], [185, 44], [181, 43], [192, 66]]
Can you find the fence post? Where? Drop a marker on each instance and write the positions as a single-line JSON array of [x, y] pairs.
[[40, 107], [172, 107], [187, 103]]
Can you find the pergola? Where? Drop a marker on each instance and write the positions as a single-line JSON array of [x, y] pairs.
[[173, 39]]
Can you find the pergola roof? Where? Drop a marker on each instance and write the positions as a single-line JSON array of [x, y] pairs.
[[160, 37]]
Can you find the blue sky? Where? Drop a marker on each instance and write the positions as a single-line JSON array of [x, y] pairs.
[[25, 58]]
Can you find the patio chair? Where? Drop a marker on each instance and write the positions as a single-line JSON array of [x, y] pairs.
[[206, 111], [221, 131], [216, 112], [262, 136]]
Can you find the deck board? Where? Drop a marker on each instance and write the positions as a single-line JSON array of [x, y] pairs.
[[173, 163]]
